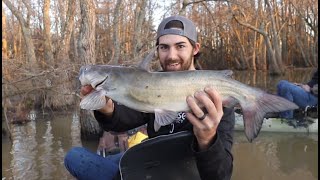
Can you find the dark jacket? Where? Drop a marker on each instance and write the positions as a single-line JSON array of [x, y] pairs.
[[313, 81], [214, 163]]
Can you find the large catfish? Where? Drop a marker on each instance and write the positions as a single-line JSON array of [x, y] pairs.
[[164, 93]]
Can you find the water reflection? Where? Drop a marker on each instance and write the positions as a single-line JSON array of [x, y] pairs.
[[46, 152], [38, 149], [298, 153], [282, 156], [75, 130], [24, 151]]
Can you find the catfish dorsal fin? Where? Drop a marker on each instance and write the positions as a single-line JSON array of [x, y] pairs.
[[227, 72], [145, 63]]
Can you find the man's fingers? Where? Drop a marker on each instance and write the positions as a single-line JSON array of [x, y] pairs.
[[211, 101], [194, 107], [216, 98], [194, 120], [207, 102]]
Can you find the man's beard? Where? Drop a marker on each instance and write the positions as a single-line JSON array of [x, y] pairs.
[[185, 65]]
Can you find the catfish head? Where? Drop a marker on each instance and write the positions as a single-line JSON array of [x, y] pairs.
[[101, 78], [94, 75]]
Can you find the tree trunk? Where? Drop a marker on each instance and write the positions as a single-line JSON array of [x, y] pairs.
[[5, 73], [64, 48], [253, 60], [26, 34], [48, 55], [243, 62], [315, 50], [276, 50], [86, 42], [73, 48], [116, 36], [62, 13], [303, 54], [140, 15], [264, 55], [90, 128], [4, 37], [86, 51]]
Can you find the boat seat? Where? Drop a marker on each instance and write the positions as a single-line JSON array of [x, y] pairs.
[[166, 157]]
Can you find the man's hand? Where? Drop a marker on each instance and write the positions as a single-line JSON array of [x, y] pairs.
[[107, 109], [205, 129], [305, 87]]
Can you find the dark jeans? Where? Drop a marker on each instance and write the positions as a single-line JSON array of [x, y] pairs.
[[295, 94], [86, 165]]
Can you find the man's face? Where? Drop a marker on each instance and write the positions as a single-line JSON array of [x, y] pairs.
[[176, 53]]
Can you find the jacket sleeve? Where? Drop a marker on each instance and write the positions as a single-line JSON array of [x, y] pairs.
[[123, 119], [314, 79], [217, 161]]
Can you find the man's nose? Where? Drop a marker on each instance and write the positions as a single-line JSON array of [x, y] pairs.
[[172, 53]]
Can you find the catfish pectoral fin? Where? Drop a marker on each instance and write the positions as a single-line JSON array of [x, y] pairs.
[[156, 126], [93, 101], [165, 117]]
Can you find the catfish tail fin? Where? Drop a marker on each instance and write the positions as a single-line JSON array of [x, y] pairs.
[[254, 112]]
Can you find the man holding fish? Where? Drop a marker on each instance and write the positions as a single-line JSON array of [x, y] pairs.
[[177, 48], [179, 99]]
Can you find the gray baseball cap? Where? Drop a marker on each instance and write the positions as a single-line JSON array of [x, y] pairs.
[[189, 29]]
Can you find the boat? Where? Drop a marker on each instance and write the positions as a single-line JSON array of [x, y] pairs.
[[300, 124]]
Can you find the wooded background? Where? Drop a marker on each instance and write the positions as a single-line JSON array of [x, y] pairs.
[[44, 42]]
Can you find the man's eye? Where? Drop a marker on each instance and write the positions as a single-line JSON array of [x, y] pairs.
[[163, 47], [181, 46]]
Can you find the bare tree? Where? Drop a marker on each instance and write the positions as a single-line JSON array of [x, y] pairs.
[[86, 49], [86, 41], [140, 13], [26, 33], [276, 58], [64, 46], [307, 12], [116, 36], [48, 57], [272, 44], [4, 36]]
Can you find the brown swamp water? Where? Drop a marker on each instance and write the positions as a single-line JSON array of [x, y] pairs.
[[38, 147]]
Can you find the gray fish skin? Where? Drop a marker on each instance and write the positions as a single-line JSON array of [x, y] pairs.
[[163, 92]]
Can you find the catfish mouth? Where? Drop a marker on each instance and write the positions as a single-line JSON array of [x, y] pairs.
[[99, 83]]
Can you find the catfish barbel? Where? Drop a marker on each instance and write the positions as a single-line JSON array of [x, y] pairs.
[[164, 93]]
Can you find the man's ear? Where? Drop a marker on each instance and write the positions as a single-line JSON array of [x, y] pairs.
[[196, 49]]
